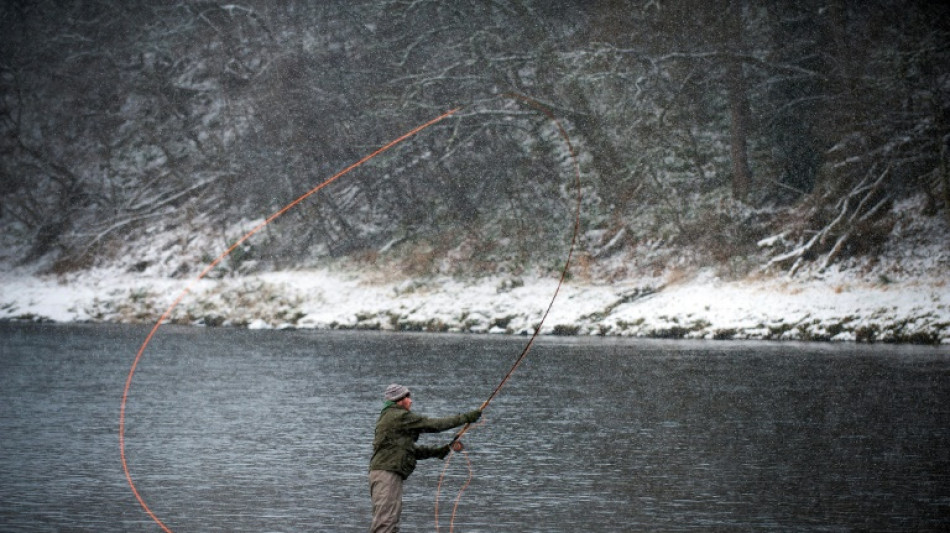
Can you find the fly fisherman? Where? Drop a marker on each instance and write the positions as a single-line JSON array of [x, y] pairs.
[[395, 452]]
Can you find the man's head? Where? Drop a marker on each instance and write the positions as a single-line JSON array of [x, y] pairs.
[[399, 395]]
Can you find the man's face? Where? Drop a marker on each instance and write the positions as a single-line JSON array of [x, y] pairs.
[[405, 403]]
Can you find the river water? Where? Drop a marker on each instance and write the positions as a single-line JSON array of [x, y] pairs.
[[235, 430]]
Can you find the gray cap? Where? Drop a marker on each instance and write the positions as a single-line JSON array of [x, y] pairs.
[[395, 392]]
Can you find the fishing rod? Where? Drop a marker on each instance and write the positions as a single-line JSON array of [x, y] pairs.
[[455, 444]]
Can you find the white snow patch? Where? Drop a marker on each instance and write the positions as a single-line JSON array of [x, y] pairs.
[[700, 307], [900, 295]]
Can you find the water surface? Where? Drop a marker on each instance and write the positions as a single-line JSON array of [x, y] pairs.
[[234, 430]]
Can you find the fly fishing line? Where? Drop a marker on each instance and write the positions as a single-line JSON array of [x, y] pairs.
[[209, 268]]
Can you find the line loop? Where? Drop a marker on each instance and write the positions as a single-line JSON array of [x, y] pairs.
[[209, 268]]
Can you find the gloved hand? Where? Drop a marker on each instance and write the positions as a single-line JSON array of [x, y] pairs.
[[442, 451], [473, 416]]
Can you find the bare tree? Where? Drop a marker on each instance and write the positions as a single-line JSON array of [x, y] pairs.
[[121, 113], [882, 100], [694, 121]]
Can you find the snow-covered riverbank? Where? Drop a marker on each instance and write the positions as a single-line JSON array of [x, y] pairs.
[[837, 308]]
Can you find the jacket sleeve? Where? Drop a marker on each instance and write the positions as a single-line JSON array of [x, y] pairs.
[[433, 425], [426, 452]]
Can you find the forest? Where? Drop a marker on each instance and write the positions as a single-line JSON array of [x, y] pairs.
[[746, 135]]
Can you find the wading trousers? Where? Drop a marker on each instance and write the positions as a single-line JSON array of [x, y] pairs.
[[385, 489]]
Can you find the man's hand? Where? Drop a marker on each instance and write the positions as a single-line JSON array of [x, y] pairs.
[[456, 446], [442, 452]]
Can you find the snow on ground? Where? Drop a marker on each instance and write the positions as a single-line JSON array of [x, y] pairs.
[[899, 295], [837, 308]]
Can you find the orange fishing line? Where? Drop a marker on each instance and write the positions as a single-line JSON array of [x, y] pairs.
[[458, 498], [186, 290]]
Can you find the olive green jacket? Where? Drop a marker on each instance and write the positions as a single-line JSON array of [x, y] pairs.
[[394, 446]]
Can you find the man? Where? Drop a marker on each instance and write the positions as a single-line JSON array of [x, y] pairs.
[[395, 452]]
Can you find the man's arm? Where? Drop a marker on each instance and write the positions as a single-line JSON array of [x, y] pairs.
[[426, 452], [433, 425]]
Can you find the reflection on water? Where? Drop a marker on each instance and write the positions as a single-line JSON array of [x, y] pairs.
[[232, 430]]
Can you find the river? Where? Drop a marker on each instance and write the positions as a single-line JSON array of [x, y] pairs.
[[235, 430]]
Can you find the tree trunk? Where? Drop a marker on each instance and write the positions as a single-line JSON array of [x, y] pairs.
[[739, 113], [945, 179], [738, 106]]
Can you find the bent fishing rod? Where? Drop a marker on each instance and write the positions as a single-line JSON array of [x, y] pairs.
[[455, 443]]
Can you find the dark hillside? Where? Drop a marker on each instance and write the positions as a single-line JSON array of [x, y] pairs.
[[730, 134]]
